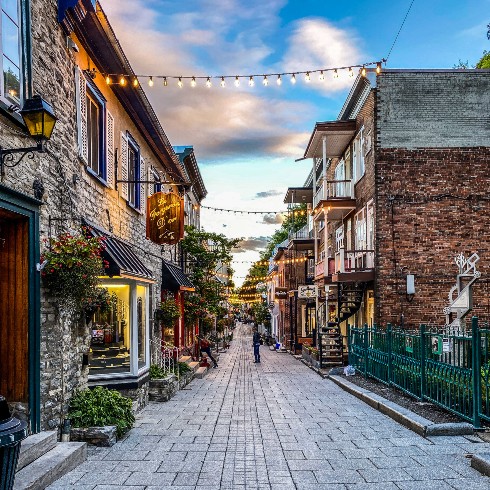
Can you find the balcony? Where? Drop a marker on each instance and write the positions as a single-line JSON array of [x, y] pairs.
[[337, 195], [353, 266], [302, 239], [324, 269]]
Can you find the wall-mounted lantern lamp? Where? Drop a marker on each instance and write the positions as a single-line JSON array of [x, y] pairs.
[[39, 119]]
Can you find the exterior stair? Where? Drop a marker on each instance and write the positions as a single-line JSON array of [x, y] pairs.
[[43, 460]]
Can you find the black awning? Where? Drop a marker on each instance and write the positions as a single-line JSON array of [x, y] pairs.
[[174, 278], [121, 257]]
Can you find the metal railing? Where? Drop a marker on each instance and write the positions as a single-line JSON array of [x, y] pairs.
[[333, 189], [302, 233], [354, 260], [165, 356], [450, 369]]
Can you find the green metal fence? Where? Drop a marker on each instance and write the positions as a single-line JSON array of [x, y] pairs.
[[451, 370]]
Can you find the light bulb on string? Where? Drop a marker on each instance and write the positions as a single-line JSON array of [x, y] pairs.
[[351, 72], [265, 81], [321, 77], [307, 77], [165, 82], [279, 80], [378, 68], [122, 81], [363, 71], [208, 82], [251, 81], [108, 80], [237, 82], [222, 83], [135, 82], [179, 83], [150, 82], [293, 78], [193, 82], [335, 73]]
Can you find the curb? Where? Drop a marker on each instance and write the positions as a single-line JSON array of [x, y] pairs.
[[481, 462], [414, 422]]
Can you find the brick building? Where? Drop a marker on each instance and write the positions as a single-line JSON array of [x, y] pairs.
[[400, 186], [108, 152]]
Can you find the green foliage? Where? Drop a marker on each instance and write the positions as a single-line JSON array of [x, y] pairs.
[[484, 61], [261, 313], [160, 372], [100, 406], [167, 312], [72, 270]]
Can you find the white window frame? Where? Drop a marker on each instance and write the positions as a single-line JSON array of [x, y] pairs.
[[339, 238], [339, 175], [370, 225], [360, 230]]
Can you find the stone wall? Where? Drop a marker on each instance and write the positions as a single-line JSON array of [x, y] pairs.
[[71, 193]]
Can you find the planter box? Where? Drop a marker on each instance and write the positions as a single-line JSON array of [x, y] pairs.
[[96, 436], [161, 390]]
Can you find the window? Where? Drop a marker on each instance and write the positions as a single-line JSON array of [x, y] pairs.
[[360, 230], [339, 238], [134, 175], [358, 167], [340, 177], [11, 52], [119, 335], [370, 225], [95, 133]]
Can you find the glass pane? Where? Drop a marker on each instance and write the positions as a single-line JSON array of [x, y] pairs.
[[132, 175], [11, 81], [141, 319], [10, 40], [93, 135], [11, 7], [110, 344]]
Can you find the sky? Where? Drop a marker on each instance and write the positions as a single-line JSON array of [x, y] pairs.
[[246, 139]]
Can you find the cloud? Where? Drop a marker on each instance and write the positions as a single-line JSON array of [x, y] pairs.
[[317, 43], [264, 194], [272, 219], [251, 243]]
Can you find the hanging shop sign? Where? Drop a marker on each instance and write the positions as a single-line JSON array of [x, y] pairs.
[[165, 218], [307, 292]]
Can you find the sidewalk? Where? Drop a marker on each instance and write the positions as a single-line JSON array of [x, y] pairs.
[[273, 425]]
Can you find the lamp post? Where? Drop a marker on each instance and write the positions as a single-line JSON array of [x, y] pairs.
[[39, 119]]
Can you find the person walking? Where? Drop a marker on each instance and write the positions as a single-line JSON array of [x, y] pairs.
[[256, 343], [206, 347]]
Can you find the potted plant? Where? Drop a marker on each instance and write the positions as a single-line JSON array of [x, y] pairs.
[[163, 383], [99, 416], [72, 265], [167, 312]]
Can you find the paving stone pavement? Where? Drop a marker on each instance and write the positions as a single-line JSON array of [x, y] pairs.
[[275, 425]]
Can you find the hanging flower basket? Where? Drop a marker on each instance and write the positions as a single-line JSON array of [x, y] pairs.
[[168, 312], [72, 266]]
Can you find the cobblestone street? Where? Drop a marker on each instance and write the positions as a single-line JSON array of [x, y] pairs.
[[273, 425]]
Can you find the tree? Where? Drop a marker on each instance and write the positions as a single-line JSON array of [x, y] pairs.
[[485, 59], [204, 252]]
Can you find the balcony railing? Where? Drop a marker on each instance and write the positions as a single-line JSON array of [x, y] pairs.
[[333, 189], [354, 260], [301, 234]]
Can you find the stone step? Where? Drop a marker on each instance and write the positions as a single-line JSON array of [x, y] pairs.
[[33, 447], [64, 457], [201, 372], [186, 359], [194, 365]]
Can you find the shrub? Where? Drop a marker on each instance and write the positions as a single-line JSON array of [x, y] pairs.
[[157, 372], [100, 406], [167, 312]]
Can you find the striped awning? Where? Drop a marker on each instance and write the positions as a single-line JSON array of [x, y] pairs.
[[174, 278]]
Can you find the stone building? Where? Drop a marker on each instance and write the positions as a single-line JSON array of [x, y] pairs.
[[107, 154], [400, 188]]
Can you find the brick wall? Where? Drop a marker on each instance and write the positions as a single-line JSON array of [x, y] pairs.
[[431, 205], [433, 109]]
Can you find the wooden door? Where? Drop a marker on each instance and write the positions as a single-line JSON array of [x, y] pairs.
[[14, 320]]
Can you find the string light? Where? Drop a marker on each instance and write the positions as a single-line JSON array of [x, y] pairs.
[[135, 82], [251, 81], [179, 83], [208, 82], [244, 212], [237, 82], [123, 78], [150, 82]]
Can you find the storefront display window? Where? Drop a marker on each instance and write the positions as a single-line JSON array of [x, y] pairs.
[[119, 332]]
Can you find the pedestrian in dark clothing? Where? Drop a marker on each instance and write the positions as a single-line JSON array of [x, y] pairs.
[[256, 343], [206, 347]]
